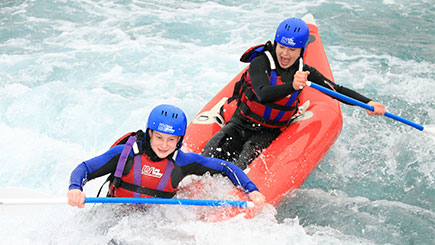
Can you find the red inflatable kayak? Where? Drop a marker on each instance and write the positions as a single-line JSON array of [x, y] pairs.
[[289, 160]]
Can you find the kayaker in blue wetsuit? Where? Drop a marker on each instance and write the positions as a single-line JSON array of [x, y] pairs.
[[151, 164], [267, 95]]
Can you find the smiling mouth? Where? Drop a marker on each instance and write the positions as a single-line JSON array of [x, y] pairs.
[[285, 61], [162, 153]]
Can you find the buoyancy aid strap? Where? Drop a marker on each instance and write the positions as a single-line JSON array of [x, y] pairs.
[[246, 111], [123, 157], [165, 178], [255, 52], [252, 97], [101, 188], [271, 61], [267, 112], [137, 174], [292, 99], [146, 191], [273, 77]]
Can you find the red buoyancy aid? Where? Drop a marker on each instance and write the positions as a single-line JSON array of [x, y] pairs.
[[273, 115], [145, 178]]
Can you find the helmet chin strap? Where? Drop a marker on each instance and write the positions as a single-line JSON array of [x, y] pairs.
[[179, 143], [174, 155]]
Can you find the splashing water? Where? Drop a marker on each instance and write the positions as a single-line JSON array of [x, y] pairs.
[[76, 75]]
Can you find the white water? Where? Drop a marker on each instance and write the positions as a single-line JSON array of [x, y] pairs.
[[76, 75]]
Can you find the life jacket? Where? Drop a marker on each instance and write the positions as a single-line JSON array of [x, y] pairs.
[[273, 115], [145, 177]]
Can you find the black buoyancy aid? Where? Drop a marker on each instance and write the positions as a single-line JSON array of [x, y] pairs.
[[274, 115], [145, 178]]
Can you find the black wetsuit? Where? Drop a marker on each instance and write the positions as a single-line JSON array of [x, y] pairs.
[[241, 140]]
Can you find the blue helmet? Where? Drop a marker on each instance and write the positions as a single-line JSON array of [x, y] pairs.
[[293, 32], [167, 119]]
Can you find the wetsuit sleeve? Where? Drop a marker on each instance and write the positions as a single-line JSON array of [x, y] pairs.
[[265, 92], [192, 163], [316, 77], [95, 167]]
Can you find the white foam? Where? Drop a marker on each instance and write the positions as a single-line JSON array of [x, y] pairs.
[[77, 75]]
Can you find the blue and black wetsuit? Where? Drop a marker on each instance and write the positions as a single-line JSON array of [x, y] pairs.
[[184, 164]]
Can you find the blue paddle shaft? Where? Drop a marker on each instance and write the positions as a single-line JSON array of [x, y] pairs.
[[173, 201], [363, 105]]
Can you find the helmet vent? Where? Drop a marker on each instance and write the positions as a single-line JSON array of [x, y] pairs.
[[165, 113], [287, 27]]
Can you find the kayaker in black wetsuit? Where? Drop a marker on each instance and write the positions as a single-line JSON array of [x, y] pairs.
[[151, 164], [267, 95]]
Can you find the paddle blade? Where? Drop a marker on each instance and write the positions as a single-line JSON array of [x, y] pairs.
[[430, 130], [32, 201]]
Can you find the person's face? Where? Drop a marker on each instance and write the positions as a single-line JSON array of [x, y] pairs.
[[163, 144], [286, 55]]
